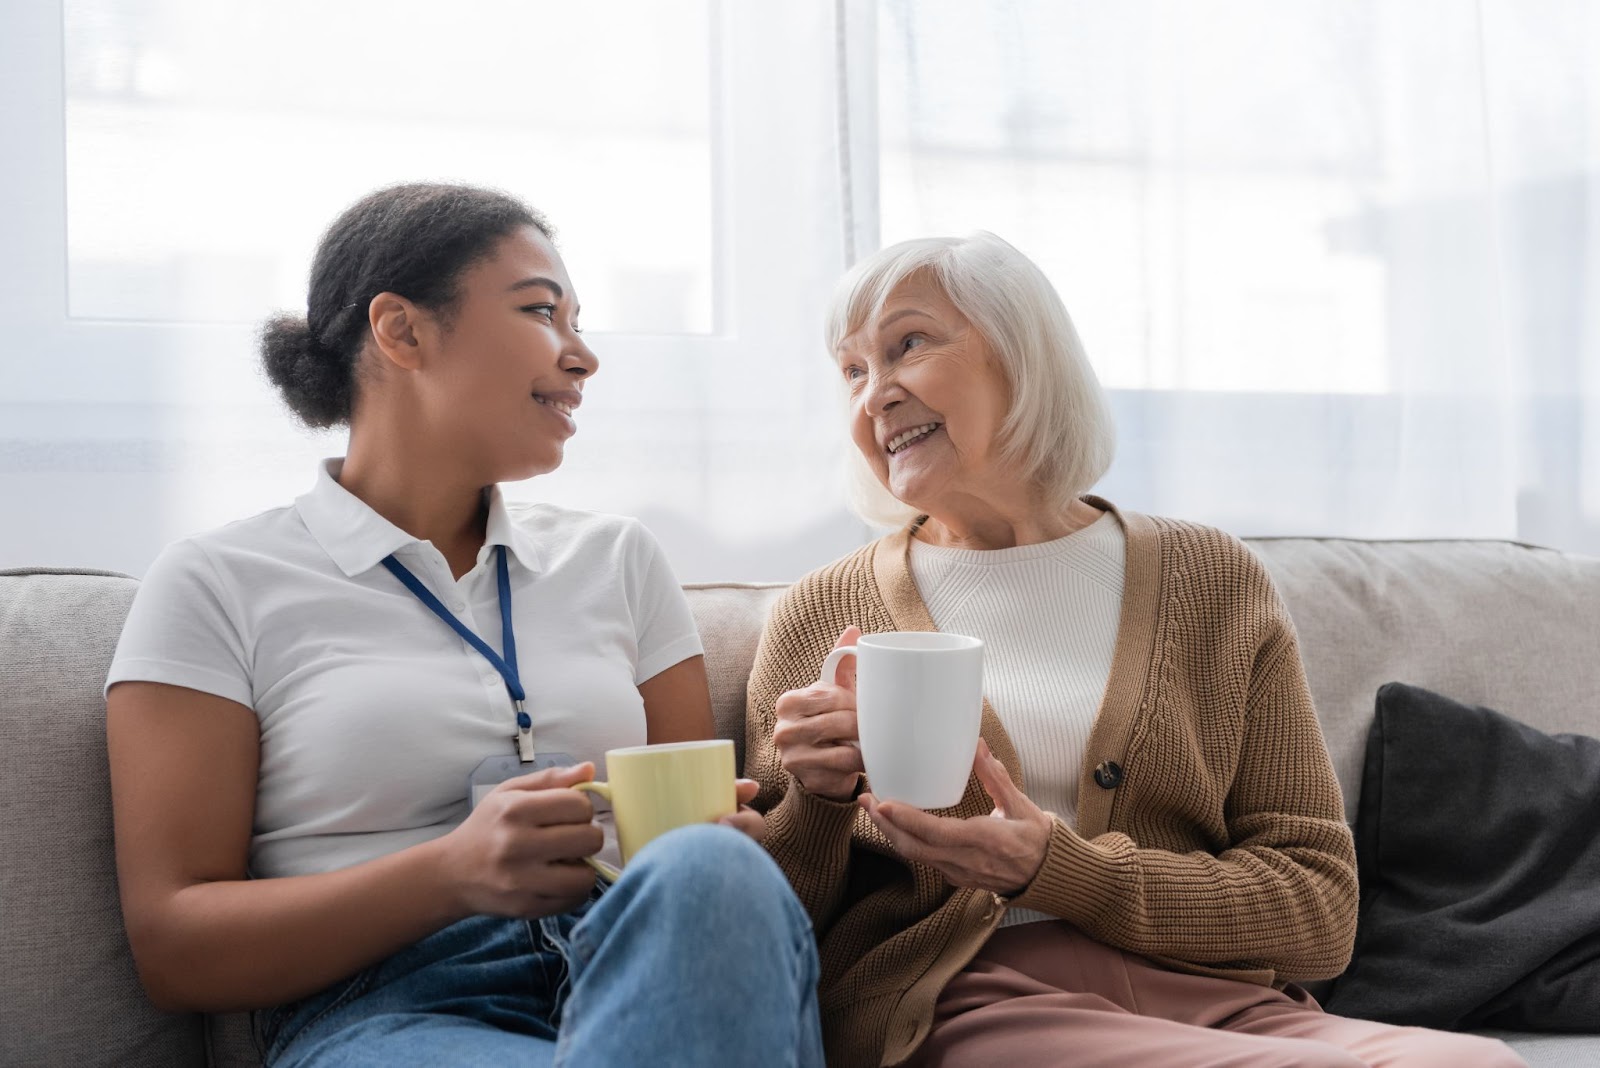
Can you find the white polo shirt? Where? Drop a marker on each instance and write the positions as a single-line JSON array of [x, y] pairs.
[[373, 711]]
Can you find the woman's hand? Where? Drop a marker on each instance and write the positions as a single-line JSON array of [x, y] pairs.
[[520, 851], [747, 819], [1000, 852], [816, 732]]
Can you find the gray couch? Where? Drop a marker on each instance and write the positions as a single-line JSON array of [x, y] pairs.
[[1492, 623]]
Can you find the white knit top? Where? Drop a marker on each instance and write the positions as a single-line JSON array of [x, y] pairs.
[[1048, 616]]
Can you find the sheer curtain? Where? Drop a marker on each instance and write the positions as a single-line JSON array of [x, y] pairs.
[[170, 163], [1337, 260]]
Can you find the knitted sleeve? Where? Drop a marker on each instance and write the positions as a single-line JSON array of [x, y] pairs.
[[809, 836], [1279, 893]]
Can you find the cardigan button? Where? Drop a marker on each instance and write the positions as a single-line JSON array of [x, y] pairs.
[[1108, 776]]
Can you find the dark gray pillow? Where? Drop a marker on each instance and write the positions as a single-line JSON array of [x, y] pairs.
[[1479, 861]]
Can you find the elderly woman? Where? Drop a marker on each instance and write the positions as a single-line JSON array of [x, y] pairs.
[[1152, 847]]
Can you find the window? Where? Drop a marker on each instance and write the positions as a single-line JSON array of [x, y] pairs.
[[182, 158], [209, 144]]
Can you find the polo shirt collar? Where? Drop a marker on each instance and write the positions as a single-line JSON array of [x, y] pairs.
[[357, 538], [501, 530]]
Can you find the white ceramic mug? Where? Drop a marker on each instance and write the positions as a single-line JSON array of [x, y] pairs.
[[919, 705]]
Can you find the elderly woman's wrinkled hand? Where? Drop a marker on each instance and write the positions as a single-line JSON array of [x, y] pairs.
[[816, 732], [1000, 852]]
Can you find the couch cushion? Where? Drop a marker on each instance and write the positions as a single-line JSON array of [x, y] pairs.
[[1489, 623], [1552, 1051], [230, 1042], [730, 616], [1479, 859], [68, 992], [1482, 621]]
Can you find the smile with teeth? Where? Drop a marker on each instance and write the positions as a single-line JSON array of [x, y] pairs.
[[908, 437], [561, 406]]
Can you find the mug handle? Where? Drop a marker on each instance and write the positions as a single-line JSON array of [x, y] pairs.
[[830, 673], [604, 870], [830, 666]]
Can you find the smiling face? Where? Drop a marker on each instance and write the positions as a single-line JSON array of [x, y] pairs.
[[506, 367], [928, 400]]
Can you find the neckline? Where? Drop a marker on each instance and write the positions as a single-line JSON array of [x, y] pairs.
[[1130, 660], [1089, 536]]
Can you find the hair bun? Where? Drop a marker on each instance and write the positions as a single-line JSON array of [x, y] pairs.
[[413, 240], [313, 380]]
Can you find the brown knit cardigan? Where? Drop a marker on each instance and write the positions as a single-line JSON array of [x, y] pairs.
[[1211, 834]]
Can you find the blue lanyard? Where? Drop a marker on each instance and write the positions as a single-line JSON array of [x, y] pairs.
[[507, 665]]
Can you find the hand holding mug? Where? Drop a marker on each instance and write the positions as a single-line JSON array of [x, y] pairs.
[[816, 731], [523, 850], [1000, 852], [918, 701]]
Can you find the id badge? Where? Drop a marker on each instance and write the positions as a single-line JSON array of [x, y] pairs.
[[495, 770]]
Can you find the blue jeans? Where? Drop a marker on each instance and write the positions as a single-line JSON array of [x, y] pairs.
[[699, 955]]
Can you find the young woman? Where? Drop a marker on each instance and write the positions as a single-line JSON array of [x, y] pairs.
[[299, 700]]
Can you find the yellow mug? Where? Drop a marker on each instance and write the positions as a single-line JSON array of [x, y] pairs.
[[657, 788]]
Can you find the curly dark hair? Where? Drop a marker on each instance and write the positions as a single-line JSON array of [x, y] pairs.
[[414, 240]]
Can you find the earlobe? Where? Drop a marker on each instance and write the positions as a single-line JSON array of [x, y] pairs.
[[394, 327]]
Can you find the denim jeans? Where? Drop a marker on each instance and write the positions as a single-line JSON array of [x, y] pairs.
[[699, 955]]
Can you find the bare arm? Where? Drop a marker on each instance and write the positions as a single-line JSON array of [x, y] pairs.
[[184, 768], [677, 703], [677, 708]]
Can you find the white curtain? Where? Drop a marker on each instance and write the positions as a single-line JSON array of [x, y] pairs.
[[1338, 260], [169, 165]]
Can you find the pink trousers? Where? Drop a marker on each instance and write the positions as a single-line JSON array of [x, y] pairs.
[[1047, 994]]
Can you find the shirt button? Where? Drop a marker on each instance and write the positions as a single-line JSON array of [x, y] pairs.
[[1108, 776]]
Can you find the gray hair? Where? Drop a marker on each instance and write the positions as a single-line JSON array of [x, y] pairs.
[[1059, 430]]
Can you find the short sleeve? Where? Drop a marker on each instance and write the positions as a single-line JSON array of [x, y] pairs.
[[664, 626], [181, 630]]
